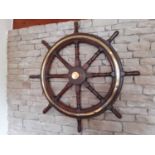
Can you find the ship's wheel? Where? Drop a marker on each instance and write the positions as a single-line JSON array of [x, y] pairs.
[[78, 75]]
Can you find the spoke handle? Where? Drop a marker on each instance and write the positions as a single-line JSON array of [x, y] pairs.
[[114, 35], [115, 111], [47, 109], [76, 27], [132, 73], [79, 125], [34, 76], [46, 44]]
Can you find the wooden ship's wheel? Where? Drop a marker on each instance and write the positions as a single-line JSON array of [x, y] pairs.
[[78, 75]]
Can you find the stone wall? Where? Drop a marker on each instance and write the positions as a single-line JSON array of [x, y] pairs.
[[135, 46]]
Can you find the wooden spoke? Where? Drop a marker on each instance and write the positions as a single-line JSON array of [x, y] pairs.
[[66, 64], [67, 86], [91, 75], [78, 96], [57, 76], [91, 60], [77, 54], [92, 90]]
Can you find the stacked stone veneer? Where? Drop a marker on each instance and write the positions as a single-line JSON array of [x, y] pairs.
[[135, 46]]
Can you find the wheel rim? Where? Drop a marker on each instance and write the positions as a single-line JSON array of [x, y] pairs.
[[116, 82]]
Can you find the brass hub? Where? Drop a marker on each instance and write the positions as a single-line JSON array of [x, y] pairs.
[[75, 75]]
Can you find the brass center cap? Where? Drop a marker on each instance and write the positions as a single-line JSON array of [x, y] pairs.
[[75, 75]]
